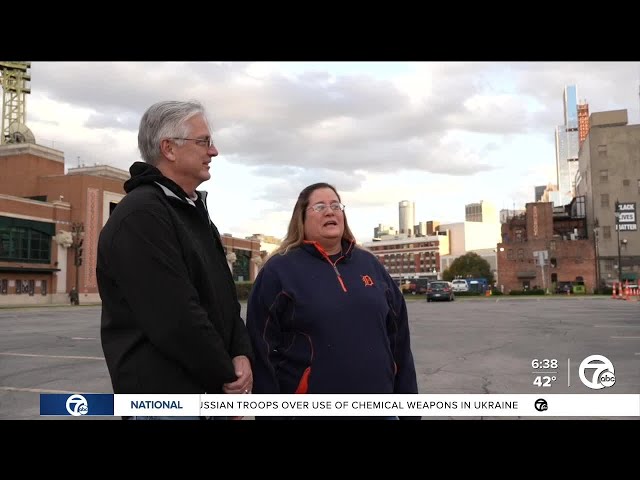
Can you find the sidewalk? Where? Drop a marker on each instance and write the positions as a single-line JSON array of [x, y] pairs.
[[47, 305], [495, 298]]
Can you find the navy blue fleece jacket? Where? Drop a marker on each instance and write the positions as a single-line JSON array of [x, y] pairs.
[[329, 325]]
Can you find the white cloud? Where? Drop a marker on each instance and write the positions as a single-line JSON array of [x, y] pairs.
[[440, 134]]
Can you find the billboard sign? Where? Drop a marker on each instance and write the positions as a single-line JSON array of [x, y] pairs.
[[626, 216]]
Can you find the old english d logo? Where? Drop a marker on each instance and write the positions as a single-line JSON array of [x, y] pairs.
[[368, 281]]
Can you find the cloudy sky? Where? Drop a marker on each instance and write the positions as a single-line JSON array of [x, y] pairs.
[[439, 134]]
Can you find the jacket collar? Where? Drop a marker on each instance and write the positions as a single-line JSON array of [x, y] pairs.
[[316, 250], [170, 193]]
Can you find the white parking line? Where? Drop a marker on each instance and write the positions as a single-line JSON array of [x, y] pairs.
[[624, 337], [617, 326], [39, 390], [83, 338], [75, 357]]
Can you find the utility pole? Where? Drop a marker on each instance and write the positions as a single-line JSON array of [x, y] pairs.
[[596, 225], [541, 258], [617, 213]]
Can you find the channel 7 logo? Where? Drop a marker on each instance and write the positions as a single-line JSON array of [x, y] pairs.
[[76, 404], [601, 372]]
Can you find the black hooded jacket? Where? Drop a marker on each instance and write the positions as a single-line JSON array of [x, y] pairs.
[[170, 315]]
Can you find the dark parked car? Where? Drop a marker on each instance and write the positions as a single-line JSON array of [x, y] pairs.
[[440, 290], [564, 287]]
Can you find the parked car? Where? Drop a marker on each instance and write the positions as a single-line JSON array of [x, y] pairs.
[[460, 285], [440, 290], [418, 286], [564, 287]]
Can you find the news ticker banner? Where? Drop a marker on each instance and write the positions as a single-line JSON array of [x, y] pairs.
[[458, 405]]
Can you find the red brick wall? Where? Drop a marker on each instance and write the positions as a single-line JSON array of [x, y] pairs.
[[19, 174], [539, 220], [573, 258]]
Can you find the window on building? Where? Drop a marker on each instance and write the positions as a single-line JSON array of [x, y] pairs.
[[552, 245], [604, 176], [510, 254], [43, 287], [604, 200], [602, 150], [22, 244], [553, 262], [608, 265], [4, 286], [521, 254], [606, 232]]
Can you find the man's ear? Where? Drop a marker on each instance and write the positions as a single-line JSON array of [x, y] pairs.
[[167, 148]]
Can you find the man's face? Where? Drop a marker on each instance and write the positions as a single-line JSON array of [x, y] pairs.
[[194, 156]]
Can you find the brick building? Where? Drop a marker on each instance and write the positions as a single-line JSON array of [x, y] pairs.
[[47, 217], [244, 256], [544, 246], [608, 177], [411, 258]]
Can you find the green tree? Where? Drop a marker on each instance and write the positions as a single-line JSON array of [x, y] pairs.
[[469, 265]]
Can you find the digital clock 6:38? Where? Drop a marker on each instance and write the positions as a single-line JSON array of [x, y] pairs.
[[544, 363]]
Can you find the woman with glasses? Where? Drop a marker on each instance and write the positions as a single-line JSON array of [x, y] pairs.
[[324, 316]]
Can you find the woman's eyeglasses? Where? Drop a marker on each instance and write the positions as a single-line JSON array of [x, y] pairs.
[[321, 207]]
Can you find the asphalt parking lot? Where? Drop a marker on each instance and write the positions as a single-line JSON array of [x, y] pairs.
[[469, 346]]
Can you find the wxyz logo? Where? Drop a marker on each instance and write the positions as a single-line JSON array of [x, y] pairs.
[[367, 280]]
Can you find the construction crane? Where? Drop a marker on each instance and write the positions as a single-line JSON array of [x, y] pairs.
[[14, 78]]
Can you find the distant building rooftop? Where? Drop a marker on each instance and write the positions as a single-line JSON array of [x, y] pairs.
[[9, 149], [612, 118], [101, 171]]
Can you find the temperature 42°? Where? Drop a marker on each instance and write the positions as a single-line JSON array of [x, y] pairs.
[[544, 380]]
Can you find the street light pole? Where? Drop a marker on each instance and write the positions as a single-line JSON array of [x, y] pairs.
[[619, 253], [77, 235]]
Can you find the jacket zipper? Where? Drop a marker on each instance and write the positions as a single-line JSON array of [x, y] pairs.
[[326, 256], [344, 289]]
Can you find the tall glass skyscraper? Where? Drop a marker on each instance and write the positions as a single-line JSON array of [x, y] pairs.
[[567, 145], [570, 98]]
